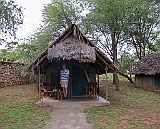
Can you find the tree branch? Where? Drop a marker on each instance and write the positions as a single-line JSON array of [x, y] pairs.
[[122, 74]]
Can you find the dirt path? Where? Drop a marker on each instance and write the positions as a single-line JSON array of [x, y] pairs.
[[68, 115]]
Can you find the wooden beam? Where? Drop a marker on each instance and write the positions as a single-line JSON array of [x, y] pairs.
[[45, 63], [66, 35], [40, 60], [104, 61], [100, 64]]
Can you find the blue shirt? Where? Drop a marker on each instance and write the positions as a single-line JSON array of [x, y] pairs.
[[64, 75]]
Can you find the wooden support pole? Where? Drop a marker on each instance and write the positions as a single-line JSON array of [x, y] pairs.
[[108, 103], [105, 62], [106, 87], [98, 83], [39, 83]]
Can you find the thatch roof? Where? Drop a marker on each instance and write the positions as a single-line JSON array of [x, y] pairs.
[[73, 45], [149, 65]]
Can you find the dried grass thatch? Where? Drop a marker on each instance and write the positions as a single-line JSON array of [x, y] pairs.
[[72, 48], [72, 44], [149, 65]]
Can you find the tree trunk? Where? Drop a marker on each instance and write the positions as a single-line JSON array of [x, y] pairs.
[[114, 48], [116, 80]]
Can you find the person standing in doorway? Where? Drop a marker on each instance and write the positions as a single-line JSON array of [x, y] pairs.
[[64, 80]]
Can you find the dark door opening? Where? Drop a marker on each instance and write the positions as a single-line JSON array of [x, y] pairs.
[[55, 80], [157, 81], [79, 81]]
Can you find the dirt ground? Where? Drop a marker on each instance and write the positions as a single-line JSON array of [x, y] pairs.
[[68, 115]]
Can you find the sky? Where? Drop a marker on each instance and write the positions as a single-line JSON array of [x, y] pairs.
[[32, 11]]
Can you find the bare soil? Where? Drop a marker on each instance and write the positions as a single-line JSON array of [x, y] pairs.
[[68, 115]]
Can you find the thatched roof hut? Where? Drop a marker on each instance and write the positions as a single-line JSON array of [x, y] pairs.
[[73, 45], [147, 72], [149, 65], [83, 59]]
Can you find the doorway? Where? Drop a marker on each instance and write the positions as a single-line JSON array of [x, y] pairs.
[[157, 80], [55, 80], [79, 81]]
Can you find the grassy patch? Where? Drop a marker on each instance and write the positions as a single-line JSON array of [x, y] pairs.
[[110, 77], [139, 97], [130, 108], [112, 116], [158, 113], [18, 110], [101, 127]]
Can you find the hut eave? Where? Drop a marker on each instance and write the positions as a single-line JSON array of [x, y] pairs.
[[73, 45], [149, 65]]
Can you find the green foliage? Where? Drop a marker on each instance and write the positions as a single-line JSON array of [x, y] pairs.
[[121, 25], [142, 20], [126, 62], [155, 47], [118, 23], [34, 46], [10, 51], [3, 52], [110, 77], [6, 54], [105, 23], [10, 18], [57, 16], [12, 45], [113, 25], [58, 12]]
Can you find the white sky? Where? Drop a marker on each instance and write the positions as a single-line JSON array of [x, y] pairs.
[[32, 16], [32, 11]]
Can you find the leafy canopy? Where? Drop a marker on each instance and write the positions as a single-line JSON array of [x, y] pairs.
[[10, 18]]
